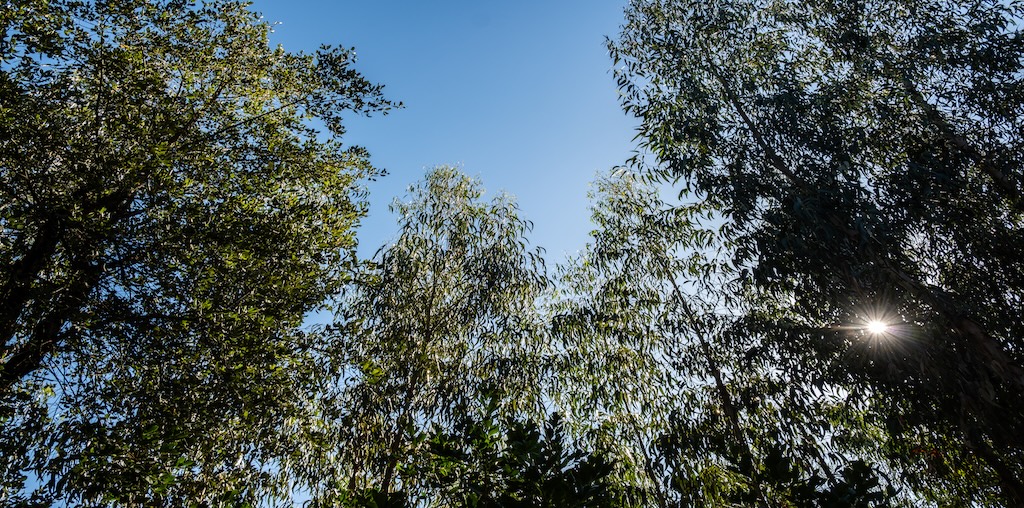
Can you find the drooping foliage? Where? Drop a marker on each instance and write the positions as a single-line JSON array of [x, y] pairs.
[[825, 316], [663, 367], [441, 321], [865, 158], [169, 215]]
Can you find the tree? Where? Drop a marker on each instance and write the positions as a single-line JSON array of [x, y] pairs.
[[623, 365], [175, 200], [485, 461], [664, 368], [865, 157], [443, 319]]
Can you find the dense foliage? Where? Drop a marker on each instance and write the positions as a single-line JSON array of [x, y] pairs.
[[865, 160], [169, 217], [825, 313], [440, 321], [666, 370]]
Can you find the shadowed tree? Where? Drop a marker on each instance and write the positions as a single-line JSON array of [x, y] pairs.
[[867, 159], [663, 366]]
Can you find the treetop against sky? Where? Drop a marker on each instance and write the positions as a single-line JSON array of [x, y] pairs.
[[828, 315]]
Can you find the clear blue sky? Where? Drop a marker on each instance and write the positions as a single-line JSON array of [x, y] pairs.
[[517, 93]]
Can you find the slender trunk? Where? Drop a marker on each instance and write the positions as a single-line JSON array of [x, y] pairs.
[[393, 450], [399, 438], [725, 398], [1008, 189], [652, 475]]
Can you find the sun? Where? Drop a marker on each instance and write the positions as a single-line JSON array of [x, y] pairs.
[[877, 327]]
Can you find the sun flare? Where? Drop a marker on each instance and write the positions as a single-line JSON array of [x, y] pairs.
[[877, 327]]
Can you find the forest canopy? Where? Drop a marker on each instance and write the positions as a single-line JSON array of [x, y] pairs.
[[802, 291]]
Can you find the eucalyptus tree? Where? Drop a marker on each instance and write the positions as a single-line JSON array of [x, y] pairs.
[[661, 364], [868, 157], [443, 321], [622, 336], [169, 215]]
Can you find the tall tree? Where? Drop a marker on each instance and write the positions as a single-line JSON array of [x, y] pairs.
[[170, 213], [621, 369], [867, 156], [663, 365], [443, 320]]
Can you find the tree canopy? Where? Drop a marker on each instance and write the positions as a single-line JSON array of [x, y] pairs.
[[442, 320], [865, 159], [170, 214], [802, 291]]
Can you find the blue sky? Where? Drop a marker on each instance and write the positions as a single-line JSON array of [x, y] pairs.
[[517, 93]]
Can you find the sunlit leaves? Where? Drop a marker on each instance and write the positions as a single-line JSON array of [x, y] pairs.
[[171, 213], [443, 318]]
